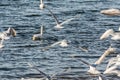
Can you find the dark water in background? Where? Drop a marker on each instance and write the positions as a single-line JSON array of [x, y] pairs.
[[26, 17]]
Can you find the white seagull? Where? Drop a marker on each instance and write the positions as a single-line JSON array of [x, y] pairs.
[[58, 24], [112, 12], [38, 36], [47, 77], [42, 6], [111, 32]]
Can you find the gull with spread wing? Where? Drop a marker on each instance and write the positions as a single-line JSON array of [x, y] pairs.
[[92, 68], [60, 25]]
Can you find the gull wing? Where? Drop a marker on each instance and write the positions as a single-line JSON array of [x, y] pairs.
[[92, 65], [113, 61], [110, 69], [49, 78], [106, 34], [92, 69], [13, 32], [107, 52], [56, 20], [52, 45], [68, 20]]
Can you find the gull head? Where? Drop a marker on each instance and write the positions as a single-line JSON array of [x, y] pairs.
[[107, 34]]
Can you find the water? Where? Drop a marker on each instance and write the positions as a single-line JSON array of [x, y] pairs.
[[26, 17]]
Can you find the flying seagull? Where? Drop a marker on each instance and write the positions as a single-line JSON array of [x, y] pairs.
[[47, 76], [58, 24], [92, 68]]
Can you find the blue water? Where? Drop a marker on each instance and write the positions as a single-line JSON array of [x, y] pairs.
[[26, 18]]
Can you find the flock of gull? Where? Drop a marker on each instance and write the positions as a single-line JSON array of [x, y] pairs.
[[113, 64]]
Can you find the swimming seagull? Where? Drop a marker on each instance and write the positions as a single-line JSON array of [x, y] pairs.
[[42, 6], [111, 32], [58, 24], [62, 43], [7, 34], [38, 36], [112, 12], [92, 69], [113, 66]]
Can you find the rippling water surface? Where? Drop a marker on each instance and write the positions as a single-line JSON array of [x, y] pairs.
[[26, 17]]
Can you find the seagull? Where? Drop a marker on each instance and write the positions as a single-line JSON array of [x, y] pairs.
[[111, 32], [42, 6], [113, 66], [38, 36], [48, 77], [58, 24], [107, 52], [112, 12], [62, 43], [7, 34], [92, 69]]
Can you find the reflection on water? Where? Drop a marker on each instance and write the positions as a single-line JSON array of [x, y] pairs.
[[26, 17]]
